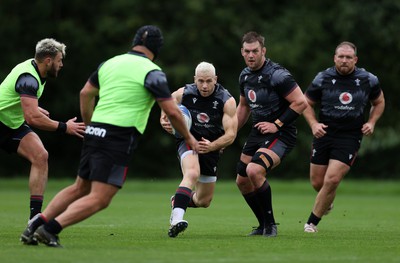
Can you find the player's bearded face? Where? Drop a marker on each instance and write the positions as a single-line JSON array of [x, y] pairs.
[[345, 60], [253, 54], [53, 72], [55, 66]]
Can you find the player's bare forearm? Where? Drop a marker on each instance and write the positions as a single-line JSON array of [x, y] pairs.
[[377, 109], [242, 112]]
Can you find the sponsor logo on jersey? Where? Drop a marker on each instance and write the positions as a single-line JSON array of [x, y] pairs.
[[252, 95], [203, 121], [345, 98], [357, 82], [96, 131], [203, 117]]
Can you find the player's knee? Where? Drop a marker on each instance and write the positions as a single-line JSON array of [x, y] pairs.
[[317, 185], [41, 158], [241, 169], [244, 184], [332, 181], [103, 203], [192, 175], [317, 180], [263, 159], [205, 202]]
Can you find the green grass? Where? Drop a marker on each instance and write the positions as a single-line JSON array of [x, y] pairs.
[[363, 227]]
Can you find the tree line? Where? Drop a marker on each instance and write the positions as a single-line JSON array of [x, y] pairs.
[[300, 35]]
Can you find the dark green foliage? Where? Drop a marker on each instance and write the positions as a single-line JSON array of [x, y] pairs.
[[300, 35]]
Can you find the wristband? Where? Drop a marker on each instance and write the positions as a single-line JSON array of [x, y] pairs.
[[278, 124], [62, 127], [286, 118]]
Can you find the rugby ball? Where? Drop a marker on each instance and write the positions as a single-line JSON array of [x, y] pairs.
[[187, 117]]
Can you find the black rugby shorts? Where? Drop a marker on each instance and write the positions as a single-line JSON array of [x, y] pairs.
[[338, 147], [208, 161], [104, 165], [10, 139], [280, 143]]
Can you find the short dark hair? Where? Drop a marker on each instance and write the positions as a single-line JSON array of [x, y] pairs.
[[347, 43], [149, 36], [252, 36]]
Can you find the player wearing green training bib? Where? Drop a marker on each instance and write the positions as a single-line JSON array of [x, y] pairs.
[[23, 80], [127, 86], [126, 101], [19, 109]]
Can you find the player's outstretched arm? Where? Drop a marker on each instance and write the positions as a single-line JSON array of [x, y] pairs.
[[75, 128], [174, 114], [38, 118], [164, 121]]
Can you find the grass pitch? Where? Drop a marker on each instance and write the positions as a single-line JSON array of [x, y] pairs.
[[363, 227]]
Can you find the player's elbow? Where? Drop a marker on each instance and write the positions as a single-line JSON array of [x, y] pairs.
[[31, 120], [231, 136], [299, 105], [173, 114], [230, 141], [84, 95]]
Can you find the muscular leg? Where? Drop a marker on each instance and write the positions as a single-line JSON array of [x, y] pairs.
[[191, 174], [204, 194], [257, 194], [317, 175], [247, 190], [333, 176], [243, 183], [100, 197], [190, 170], [31, 148], [65, 197], [257, 173]]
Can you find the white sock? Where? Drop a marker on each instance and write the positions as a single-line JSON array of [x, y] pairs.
[[177, 215]]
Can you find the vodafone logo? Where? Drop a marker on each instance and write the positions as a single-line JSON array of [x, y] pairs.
[[252, 96], [345, 98], [203, 117]]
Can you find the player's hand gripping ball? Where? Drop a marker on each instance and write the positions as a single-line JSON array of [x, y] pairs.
[[187, 117]]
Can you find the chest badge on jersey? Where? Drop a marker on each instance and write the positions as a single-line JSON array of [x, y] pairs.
[[215, 103], [345, 98]]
